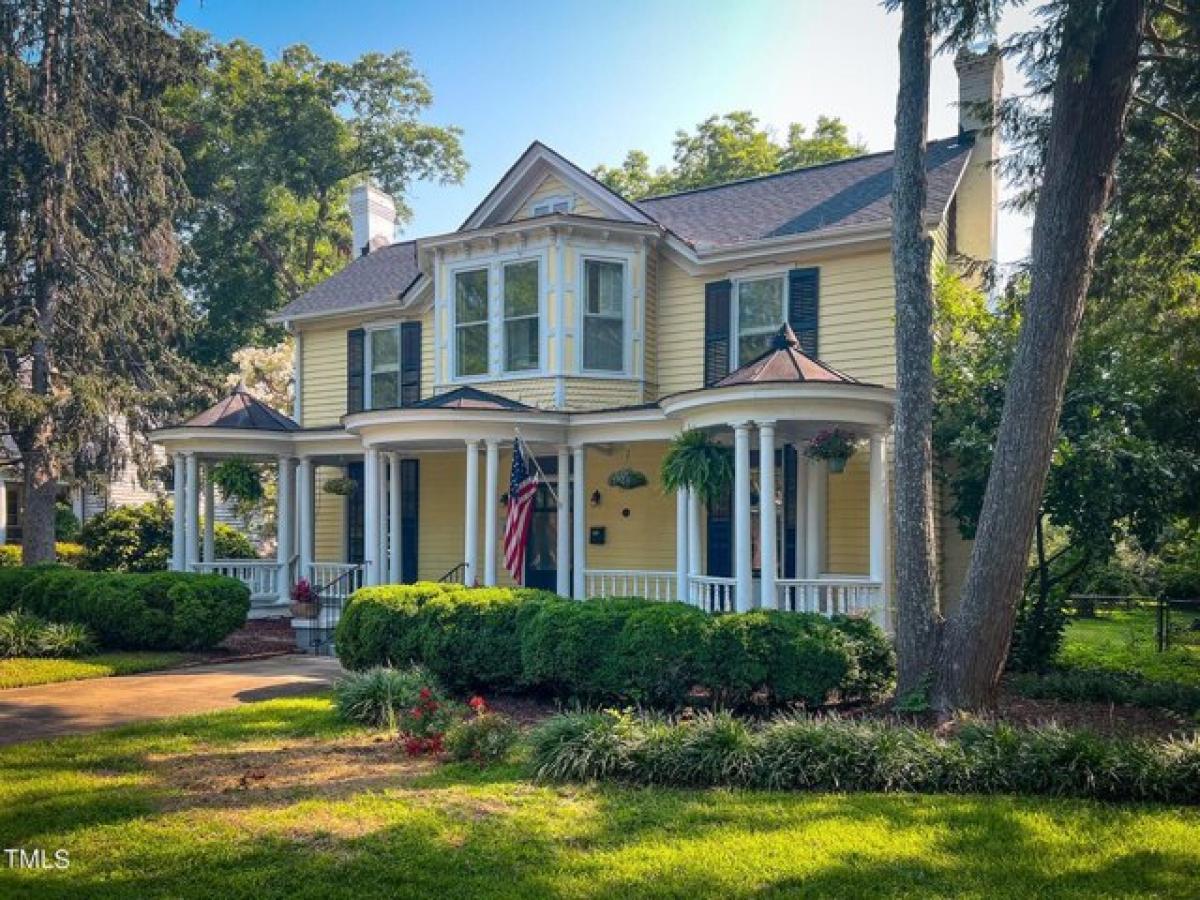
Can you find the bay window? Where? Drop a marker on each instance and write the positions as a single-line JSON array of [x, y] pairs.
[[758, 312], [521, 313], [471, 323], [604, 316]]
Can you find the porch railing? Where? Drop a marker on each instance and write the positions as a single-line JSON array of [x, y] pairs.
[[652, 585], [830, 596], [335, 580], [262, 576], [712, 593]]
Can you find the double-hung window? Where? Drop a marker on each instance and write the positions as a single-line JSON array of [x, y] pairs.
[[471, 323], [758, 313], [384, 361], [521, 307], [603, 316]]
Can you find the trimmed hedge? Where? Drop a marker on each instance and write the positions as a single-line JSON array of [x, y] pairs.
[[1106, 686], [622, 650], [66, 553], [159, 611], [799, 753]]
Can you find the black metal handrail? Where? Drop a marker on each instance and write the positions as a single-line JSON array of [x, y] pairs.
[[330, 604], [454, 575]]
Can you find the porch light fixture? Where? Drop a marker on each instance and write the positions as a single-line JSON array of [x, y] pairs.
[[596, 497]]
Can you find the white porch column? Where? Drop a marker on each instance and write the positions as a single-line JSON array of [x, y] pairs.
[[579, 523], [491, 500], [210, 515], [371, 515], [815, 515], [695, 564], [802, 473], [395, 571], [562, 577], [284, 526], [743, 567], [191, 552], [877, 519], [305, 502], [766, 515], [4, 518], [381, 534], [471, 516], [681, 545], [178, 532]]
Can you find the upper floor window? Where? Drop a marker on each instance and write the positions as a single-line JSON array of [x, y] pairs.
[[521, 309], [758, 310], [551, 205], [383, 363], [471, 323], [604, 315]]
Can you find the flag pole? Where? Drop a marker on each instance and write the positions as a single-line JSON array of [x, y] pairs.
[[533, 458]]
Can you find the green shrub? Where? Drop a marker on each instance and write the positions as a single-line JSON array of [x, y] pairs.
[[487, 737], [138, 539], [1106, 686], [10, 555], [66, 553], [66, 523], [874, 673], [573, 649], [378, 697], [66, 639], [159, 611], [379, 625], [469, 639], [799, 753], [20, 634], [658, 652]]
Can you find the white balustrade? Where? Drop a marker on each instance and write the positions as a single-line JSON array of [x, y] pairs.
[[651, 585], [830, 596], [336, 581], [260, 575], [713, 593]]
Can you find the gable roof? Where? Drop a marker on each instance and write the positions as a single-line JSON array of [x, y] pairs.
[[848, 192], [785, 362], [376, 278], [241, 409], [467, 397]]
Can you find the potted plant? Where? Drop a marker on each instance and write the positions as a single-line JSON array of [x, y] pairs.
[[305, 603], [627, 479], [341, 487], [834, 446], [694, 460]]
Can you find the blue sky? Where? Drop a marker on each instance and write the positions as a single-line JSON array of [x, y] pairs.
[[594, 79]]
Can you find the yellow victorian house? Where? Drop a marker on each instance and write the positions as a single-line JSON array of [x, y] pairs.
[[598, 328]]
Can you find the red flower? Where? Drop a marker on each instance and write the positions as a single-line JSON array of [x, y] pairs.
[[477, 703], [426, 693]]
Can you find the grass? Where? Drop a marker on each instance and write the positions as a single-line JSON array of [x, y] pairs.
[[22, 671], [279, 799], [1123, 640]]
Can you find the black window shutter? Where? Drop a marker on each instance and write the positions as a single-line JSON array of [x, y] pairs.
[[355, 342], [355, 516], [716, 331], [789, 511], [410, 363], [720, 535], [410, 521], [804, 306]]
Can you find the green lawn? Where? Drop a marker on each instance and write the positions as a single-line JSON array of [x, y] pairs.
[[1123, 640], [22, 671], [277, 799]]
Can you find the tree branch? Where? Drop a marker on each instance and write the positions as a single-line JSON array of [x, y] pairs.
[[1173, 116]]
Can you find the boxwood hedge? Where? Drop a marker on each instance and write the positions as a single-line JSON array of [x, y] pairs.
[[159, 611], [615, 650]]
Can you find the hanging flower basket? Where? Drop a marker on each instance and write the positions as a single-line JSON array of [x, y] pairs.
[[341, 487], [834, 446], [627, 479]]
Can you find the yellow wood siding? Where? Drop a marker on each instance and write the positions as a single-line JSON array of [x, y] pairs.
[[645, 539], [650, 344], [847, 546], [597, 393], [442, 504], [323, 376], [680, 330], [553, 186], [329, 544], [427, 353]]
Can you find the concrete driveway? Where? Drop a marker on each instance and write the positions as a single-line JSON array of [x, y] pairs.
[[75, 707]]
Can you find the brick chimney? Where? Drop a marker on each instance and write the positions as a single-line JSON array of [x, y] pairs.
[[980, 81], [372, 218]]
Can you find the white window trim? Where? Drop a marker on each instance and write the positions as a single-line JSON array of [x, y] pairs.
[[494, 265], [625, 260], [368, 361], [547, 204], [538, 316], [735, 349]]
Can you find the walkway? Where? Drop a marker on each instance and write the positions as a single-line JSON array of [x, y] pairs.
[[74, 707]]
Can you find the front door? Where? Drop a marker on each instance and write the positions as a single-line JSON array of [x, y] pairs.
[[541, 553]]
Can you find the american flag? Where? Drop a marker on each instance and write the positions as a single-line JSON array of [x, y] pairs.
[[522, 487]]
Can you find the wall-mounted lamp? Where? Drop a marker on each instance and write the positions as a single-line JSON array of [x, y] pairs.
[[595, 498]]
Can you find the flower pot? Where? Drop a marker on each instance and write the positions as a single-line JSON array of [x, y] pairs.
[[837, 465], [305, 609]]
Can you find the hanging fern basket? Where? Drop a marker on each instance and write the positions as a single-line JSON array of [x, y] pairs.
[[340, 487], [627, 479]]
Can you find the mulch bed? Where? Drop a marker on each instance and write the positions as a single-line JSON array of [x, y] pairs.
[[258, 637]]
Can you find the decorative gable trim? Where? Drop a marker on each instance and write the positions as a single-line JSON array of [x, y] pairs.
[[517, 185]]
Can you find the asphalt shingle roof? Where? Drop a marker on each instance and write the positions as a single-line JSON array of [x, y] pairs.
[[241, 409], [785, 362], [849, 192], [379, 276], [467, 397]]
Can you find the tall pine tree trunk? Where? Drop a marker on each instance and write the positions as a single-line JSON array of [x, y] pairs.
[[917, 617], [1097, 65]]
